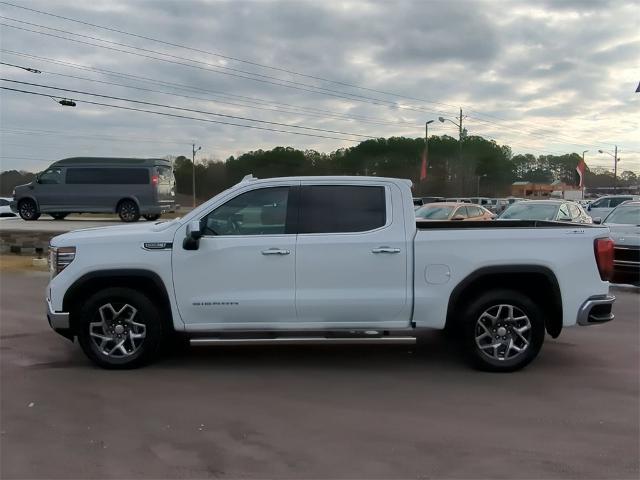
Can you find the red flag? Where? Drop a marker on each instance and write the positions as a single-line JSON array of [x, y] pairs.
[[423, 168], [581, 168]]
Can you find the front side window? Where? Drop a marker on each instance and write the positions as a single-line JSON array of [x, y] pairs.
[[602, 203], [461, 212], [626, 215], [257, 212], [341, 208], [52, 176]]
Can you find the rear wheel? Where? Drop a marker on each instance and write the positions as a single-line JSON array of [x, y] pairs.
[[502, 331], [128, 211], [119, 328], [28, 210], [58, 216], [151, 218]]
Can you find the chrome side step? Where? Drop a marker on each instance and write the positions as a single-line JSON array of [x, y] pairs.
[[302, 341]]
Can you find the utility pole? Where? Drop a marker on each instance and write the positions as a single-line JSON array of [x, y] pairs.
[[615, 166], [585, 166], [460, 132], [193, 173], [615, 170]]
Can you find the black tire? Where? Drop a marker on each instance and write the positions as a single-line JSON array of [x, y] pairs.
[[28, 210], [128, 211], [58, 216], [475, 335], [121, 301], [151, 218]]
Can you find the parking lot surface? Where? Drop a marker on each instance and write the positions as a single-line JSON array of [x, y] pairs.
[[338, 412]]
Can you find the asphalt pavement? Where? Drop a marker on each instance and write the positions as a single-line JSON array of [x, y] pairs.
[[316, 412]]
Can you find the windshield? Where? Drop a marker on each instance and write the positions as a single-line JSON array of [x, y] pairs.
[[530, 211], [629, 215], [433, 212]]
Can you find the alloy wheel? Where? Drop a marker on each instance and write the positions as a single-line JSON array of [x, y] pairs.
[[117, 334], [503, 332]]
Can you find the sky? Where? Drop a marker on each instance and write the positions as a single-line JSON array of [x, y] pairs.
[[545, 77]]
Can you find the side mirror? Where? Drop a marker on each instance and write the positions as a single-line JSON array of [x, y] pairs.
[[597, 220], [458, 217], [194, 234]]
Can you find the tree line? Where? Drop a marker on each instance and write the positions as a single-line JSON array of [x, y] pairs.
[[480, 166]]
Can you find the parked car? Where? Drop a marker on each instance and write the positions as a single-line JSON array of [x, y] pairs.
[[498, 205], [130, 187], [458, 200], [452, 211], [552, 210], [624, 225], [5, 207], [322, 260], [603, 206]]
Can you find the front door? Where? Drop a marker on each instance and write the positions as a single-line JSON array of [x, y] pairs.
[[242, 276], [352, 254], [49, 190]]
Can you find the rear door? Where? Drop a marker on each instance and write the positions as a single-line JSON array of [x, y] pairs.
[[352, 253], [165, 186]]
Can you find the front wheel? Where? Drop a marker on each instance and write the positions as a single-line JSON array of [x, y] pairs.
[[128, 211], [28, 210], [502, 331], [119, 328]]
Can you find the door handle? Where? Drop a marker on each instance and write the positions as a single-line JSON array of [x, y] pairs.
[[385, 250], [275, 251]]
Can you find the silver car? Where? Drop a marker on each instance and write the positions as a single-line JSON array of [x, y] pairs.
[[624, 225], [550, 210]]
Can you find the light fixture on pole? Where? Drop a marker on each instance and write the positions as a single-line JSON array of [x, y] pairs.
[[193, 173], [615, 166]]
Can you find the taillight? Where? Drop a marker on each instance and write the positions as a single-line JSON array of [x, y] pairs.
[[603, 249], [154, 179]]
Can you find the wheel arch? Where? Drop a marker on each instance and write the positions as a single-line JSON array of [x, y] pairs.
[[145, 281], [28, 197], [536, 281]]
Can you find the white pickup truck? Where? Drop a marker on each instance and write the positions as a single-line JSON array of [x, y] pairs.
[[325, 259]]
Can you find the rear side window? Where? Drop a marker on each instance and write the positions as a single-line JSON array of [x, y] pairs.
[[341, 208], [474, 211], [603, 203], [108, 176], [614, 202]]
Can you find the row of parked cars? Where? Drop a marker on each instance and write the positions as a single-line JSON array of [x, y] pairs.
[[621, 213]]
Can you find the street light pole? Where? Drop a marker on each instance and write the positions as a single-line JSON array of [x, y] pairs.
[[615, 166], [459, 125], [426, 150], [193, 171]]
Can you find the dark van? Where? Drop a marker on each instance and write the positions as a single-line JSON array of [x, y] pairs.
[[130, 187]]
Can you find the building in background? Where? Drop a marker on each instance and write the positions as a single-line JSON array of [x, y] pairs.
[[539, 191]]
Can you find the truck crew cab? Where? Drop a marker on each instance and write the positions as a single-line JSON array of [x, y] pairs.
[[326, 259]]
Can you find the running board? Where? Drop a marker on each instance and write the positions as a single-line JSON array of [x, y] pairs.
[[302, 341]]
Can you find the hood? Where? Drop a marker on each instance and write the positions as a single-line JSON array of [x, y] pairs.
[[22, 187], [623, 234], [142, 231]]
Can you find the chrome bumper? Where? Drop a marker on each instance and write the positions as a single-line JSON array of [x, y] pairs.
[[596, 309], [57, 320]]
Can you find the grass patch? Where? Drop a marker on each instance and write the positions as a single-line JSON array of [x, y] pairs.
[[17, 263]]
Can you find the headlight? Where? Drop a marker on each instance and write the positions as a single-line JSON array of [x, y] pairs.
[[59, 258]]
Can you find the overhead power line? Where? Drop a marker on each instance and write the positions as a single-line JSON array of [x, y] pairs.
[[257, 64], [173, 115], [225, 71], [191, 110], [189, 88]]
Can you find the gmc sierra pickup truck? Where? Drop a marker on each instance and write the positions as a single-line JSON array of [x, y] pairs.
[[326, 259]]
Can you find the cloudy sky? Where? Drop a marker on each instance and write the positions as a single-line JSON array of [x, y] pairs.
[[541, 76]]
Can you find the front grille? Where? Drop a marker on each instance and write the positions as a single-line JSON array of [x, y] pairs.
[[627, 254]]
